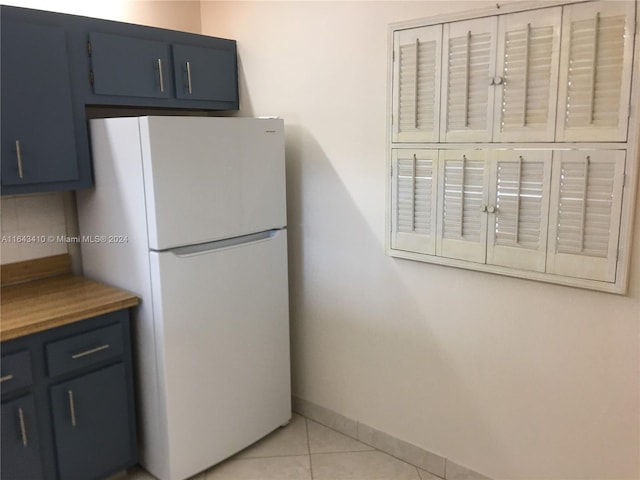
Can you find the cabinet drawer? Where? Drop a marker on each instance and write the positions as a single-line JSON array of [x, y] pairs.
[[16, 371], [82, 350]]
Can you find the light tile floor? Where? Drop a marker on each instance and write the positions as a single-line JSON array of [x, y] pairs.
[[306, 450]]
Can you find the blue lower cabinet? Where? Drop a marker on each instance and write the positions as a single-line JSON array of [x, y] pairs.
[[67, 402], [90, 415], [20, 440]]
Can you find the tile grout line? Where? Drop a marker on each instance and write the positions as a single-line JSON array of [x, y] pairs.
[[306, 430]]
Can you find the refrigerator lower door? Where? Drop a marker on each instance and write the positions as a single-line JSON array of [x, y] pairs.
[[222, 326]]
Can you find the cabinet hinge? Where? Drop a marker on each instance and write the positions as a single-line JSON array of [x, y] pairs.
[[393, 55], [91, 77], [89, 48]]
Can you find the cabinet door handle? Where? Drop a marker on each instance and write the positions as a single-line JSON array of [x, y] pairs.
[[160, 75], [72, 408], [6, 378], [189, 77], [91, 351], [19, 157], [23, 430]]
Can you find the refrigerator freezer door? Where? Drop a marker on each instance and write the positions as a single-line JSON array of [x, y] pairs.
[[211, 178], [223, 323]]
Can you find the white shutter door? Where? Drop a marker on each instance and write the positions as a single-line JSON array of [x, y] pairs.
[[584, 223], [469, 56], [595, 71], [416, 84], [519, 207], [413, 200], [462, 225], [528, 57]]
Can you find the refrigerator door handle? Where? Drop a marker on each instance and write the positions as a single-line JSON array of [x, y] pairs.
[[211, 247]]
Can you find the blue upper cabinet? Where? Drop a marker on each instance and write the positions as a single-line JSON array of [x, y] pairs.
[[132, 65], [58, 70], [200, 73], [128, 66], [38, 133]]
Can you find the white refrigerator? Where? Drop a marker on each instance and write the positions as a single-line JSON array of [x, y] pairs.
[[189, 213]]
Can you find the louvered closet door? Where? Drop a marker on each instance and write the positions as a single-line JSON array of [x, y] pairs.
[[584, 223], [416, 84], [527, 76], [462, 224], [595, 71], [413, 200], [469, 56], [519, 208]]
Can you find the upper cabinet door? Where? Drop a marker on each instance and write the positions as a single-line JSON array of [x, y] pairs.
[[595, 71], [414, 199], [203, 73], [130, 67], [469, 64], [416, 84], [38, 136], [527, 76]]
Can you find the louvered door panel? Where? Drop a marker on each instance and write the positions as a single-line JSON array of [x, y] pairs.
[[413, 200], [462, 225], [416, 84], [526, 93], [519, 207], [595, 71], [585, 213], [469, 56]]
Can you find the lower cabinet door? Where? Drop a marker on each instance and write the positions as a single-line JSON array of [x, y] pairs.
[[20, 444], [91, 424]]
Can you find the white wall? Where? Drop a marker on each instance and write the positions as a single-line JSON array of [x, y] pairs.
[[54, 213], [173, 14], [433, 355]]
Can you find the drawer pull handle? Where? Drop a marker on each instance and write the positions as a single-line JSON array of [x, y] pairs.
[[19, 158], [6, 377], [160, 75], [189, 77], [90, 352], [23, 430], [72, 408]]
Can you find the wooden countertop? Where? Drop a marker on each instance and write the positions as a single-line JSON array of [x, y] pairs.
[[37, 305]]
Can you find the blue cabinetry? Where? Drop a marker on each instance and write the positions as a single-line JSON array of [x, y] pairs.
[[38, 133], [199, 73], [20, 440], [56, 66], [90, 417], [129, 66], [67, 402]]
